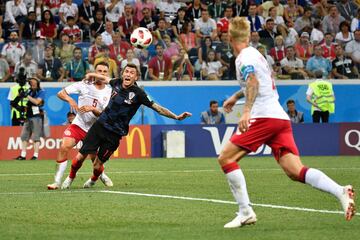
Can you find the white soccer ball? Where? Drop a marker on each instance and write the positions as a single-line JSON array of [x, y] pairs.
[[141, 38]]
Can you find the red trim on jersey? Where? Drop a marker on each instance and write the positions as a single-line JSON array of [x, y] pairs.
[[302, 174], [230, 167]]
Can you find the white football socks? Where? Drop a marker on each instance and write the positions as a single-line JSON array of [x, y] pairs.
[[60, 169], [237, 184], [319, 180]]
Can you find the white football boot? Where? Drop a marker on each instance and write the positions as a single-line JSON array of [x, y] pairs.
[[347, 202], [89, 183], [106, 180], [53, 186], [67, 183], [247, 217]]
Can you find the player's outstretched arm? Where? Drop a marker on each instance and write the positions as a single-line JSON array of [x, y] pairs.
[[92, 76], [167, 113], [62, 94], [230, 102], [251, 91]]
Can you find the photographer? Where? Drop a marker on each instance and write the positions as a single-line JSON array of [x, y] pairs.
[[34, 118], [17, 100]]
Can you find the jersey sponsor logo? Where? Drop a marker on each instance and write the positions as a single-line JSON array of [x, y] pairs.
[[246, 70]]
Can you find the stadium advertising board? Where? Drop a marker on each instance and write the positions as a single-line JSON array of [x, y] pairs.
[[136, 145], [350, 139]]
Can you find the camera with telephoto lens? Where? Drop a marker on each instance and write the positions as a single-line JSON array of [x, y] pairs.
[[21, 80]]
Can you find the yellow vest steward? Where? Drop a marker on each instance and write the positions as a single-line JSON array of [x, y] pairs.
[[15, 92], [323, 96]]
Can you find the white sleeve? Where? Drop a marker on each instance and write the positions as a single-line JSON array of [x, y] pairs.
[[62, 7], [75, 88], [3, 51], [309, 91], [8, 9], [22, 8], [354, 24], [301, 63]]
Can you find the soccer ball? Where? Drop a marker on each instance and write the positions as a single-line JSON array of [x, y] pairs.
[[141, 38]]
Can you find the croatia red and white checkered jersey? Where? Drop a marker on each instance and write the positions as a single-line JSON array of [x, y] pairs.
[[266, 104], [89, 95]]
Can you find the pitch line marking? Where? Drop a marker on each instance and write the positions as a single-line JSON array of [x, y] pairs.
[[176, 197], [165, 171]]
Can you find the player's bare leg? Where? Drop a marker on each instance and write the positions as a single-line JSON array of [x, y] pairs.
[[61, 162], [228, 162], [98, 169], [75, 166], [293, 167]]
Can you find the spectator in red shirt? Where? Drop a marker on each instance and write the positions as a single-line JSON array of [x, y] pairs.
[[72, 30], [278, 52], [119, 48], [329, 47], [160, 67], [95, 48], [128, 22], [223, 23], [48, 26]]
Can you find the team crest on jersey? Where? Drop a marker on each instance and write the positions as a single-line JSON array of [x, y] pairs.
[[105, 99], [129, 100], [67, 133]]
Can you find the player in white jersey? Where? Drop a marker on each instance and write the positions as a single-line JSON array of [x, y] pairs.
[[265, 122], [93, 98]]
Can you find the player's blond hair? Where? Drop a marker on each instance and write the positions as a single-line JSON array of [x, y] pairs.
[[239, 29]]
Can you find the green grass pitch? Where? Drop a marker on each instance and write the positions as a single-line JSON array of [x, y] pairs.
[[29, 211]]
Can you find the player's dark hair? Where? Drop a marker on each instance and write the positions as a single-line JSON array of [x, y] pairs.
[[290, 101], [131, 65], [102, 64], [213, 102]]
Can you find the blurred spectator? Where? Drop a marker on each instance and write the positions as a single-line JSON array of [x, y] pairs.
[[294, 115], [212, 116], [127, 23], [205, 26], [65, 51], [194, 10], [104, 56], [5, 74], [160, 67], [321, 96], [304, 49], [265, 7], [52, 70], [352, 49], [240, 8], [182, 67], [119, 48], [305, 22], [48, 27], [223, 23], [278, 52], [292, 11], [224, 53], [329, 47], [342, 66], [1, 28], [205, 47], [130, 58], [54, 6], [27, 28], [216, 9], [279, 23], [331, 22], [13, 50], [114, 10], [70, 116], [108, 33], [76, 68], [95, 48], [68, 8], [98, 26], [293, 66], [347, 9], [140, 5], [149, 21], [355, 23], [267, 36], [292, 37], [318, 63], [322, 8], [317, 36], [168, 9], [72, 30], [15, 11], [87, 12], [30, 66], [255, 39], [178, 22], [38, 8], [268, 58], [344, 36], [256, 21], [171, 49], [161, 30], [39, 49], [212, 69]]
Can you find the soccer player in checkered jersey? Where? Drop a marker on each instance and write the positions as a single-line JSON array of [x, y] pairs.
[[264, 121], [93, 98]]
